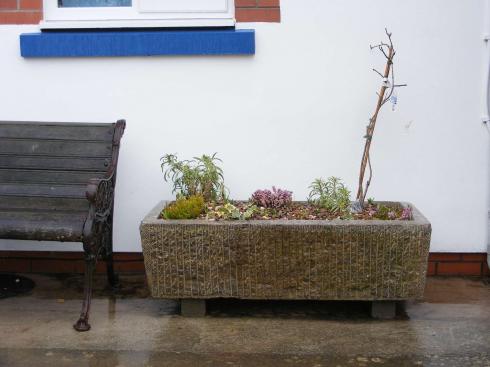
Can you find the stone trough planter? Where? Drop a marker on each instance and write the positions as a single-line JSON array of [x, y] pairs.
[[195, 260]]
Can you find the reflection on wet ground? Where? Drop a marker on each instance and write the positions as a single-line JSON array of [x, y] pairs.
[[451, 327], [129, 358]]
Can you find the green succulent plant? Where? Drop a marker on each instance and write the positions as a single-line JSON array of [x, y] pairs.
[[330, 194], [198, 176]]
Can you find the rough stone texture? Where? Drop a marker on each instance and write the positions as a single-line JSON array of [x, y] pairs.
[[323, 260]]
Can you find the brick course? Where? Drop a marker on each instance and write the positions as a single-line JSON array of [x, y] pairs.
[[31, 4], [471, 264], [258, 11], [20, 11], [443, 264], [30, 11], [51, 262], [8, 4]]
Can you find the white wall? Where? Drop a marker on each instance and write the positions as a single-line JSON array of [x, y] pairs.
[[295, 111]]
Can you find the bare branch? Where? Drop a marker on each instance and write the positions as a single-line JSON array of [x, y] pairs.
[[381, 44], [377, 72], [368, 182], [384, 95], [384, 53]]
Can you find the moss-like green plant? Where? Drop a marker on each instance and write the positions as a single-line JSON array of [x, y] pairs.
[[198, 176], [184, 208], [330, 194]]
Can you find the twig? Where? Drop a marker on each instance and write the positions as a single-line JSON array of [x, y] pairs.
[[377, 72], [388, 50]]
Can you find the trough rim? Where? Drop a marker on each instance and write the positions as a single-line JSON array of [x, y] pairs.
[[418, 219]]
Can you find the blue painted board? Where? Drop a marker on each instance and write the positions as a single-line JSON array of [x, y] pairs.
[[137, 43]]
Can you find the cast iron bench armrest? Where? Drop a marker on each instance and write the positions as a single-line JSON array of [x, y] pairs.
[[100, 194]]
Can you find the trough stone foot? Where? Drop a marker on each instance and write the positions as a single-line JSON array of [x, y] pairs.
[[193, 307], [384, 310]]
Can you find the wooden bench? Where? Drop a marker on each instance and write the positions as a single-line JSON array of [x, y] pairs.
[[57, 183]]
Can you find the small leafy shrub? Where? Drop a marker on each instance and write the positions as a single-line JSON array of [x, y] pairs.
[[330, 194], [277, 198], [229, 211], [198, 176], [185, 208]]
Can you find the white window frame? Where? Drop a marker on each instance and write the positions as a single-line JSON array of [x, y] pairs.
[[142, 14]]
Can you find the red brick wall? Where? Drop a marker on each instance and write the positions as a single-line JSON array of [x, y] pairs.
[[473, 264], [20, 11], [30, 11], [64, 262], [443, 264], [257, 11]]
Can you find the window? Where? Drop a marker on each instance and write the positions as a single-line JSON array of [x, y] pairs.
[[137, 13]]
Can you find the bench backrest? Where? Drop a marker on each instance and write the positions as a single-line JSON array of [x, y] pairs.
[[46, 165]]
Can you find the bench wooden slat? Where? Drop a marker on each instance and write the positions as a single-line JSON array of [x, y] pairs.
[[38, 225], [54, 163], [51, 191], [43, 203], [44, 176], [38, 131], [63, 148]]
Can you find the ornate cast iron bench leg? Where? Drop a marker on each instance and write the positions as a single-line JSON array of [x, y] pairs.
[[101, 245], [97, 240], [97, 229], [82, 323]]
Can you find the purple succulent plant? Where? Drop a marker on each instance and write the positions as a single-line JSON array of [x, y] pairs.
[[406, 214], [277, 198]]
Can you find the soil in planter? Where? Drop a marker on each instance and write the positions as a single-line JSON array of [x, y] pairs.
[[306, 211]]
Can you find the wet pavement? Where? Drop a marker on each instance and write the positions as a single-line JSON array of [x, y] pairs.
[[451, 327]]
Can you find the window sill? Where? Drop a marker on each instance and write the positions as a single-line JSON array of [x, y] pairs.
[[73, 25], [137, 43]]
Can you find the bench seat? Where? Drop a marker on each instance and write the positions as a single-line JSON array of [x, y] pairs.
[[42, 225]]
